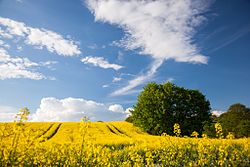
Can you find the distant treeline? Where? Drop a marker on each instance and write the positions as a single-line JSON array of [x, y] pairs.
[[235, 120]]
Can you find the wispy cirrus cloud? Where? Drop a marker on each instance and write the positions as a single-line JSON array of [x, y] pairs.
[[163, 29], [242, 32], [100, 62], [39, 37], [138, 80]]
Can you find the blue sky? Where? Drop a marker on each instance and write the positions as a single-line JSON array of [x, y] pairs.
[[66, 59]]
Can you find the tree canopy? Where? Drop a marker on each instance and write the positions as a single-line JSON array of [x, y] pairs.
[[160, 106], [236, 120]]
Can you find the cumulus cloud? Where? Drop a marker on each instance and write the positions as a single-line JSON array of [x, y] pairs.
[[128, 111], [116, 108], [4, 34], [163, 29], [17, 67], [100, 62], [72, 109], [7, 113], [40, 38]]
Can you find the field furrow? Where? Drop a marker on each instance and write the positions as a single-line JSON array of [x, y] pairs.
[[51, 131]]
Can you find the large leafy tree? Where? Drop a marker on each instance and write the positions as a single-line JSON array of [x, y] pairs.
[[160, 106], [236, 119]]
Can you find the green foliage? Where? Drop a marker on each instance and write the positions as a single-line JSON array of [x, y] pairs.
[[159, 106], [209, 129], [243, 128], [129, 119], [236, 120]]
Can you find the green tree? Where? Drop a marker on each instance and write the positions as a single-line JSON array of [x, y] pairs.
[[243, 128], [236, 120], [160, 106], [129, 119], [209, 127]]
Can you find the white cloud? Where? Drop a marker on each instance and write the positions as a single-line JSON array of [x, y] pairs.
[[53, 41], [39, 38], [120, 56], [73, 109], [116, 79], [163, 29], [217, 113], [105, 86], [19, 48], [4, 34], [93, 46], [116, 108], [7, 113], [100, 62], [128, 111], [119, 109], [20, 1], [12, 70], [49, 65], [17, 67], [4, 45], [138, 80]]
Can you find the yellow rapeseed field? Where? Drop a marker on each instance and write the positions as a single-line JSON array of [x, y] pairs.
[[112, 144]]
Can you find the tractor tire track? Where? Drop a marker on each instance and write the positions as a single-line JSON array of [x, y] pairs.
[[51, 132], [111, 130], [44, 132], [55, 131], [118, 130]]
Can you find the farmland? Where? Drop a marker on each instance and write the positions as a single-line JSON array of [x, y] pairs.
[[112, 144]]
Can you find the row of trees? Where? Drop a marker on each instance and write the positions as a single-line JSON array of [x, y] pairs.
[[160, 106]]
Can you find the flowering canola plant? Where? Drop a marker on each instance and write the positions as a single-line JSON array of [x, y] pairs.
[[112, 144]]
